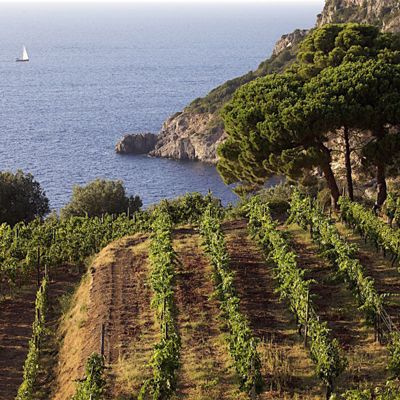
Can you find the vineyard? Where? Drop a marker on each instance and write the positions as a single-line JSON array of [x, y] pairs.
[[191, 300]]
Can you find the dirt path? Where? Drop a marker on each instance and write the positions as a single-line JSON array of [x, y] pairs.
[[16, 317], [124, 309], [286, 363], [387, 278], [205, 372], [335, 303], [118, 296]]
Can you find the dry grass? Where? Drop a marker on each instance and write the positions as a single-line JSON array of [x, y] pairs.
[[337, 305], [206, 368], [132, 369], [288, 371], [71, 334]]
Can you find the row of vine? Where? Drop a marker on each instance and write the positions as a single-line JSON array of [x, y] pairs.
[[242, 344], [293, 287], [56, 241], [165, 359], [343, 256], [26, 390], [371, 227], [92, 386]]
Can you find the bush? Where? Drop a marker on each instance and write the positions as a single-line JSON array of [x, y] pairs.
[[189, 208], [100, 197], [21, 198]]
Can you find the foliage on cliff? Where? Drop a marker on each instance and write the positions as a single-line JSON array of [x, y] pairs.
[[345, 75], [223, 93]]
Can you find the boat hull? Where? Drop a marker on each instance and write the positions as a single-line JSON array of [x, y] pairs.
[[19, 60]]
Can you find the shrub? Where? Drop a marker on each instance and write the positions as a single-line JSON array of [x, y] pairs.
[[100, 197], [21, 198]]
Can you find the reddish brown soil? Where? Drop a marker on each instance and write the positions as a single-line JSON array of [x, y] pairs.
[[118, 295], [386, 276], [335, 304], [16, 318], [203, 352], [269, 317]]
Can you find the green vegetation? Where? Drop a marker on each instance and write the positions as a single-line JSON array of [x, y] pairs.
[[242, 344], [343, 257], [100, 197], [31, 367], [165, 359], [54, 242], [92, 386], [346, 78], [371, 227], [21, 198], [293, 287]]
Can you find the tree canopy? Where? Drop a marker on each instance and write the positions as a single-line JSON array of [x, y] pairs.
[[21, 198], [100, 197], [346, 77]]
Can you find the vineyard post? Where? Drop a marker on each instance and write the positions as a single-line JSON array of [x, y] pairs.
[[102, 339], [329, 388], [38, 266], [306, 321], [128, 213], [253, 388]]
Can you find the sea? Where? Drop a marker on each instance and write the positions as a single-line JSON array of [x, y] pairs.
[[98, 71]]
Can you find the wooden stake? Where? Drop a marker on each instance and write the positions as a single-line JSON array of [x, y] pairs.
[[103, 331], [306, 322], [38, 266]]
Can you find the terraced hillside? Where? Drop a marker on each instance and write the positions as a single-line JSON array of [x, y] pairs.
[[218, 308]]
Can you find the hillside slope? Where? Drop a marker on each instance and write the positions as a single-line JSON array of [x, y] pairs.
[[196, 132]]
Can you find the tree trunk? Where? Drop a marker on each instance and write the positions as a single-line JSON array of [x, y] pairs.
[[381, 184], [347, 159], [330, 177]]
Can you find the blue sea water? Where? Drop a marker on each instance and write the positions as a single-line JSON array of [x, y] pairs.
[[98, 71]]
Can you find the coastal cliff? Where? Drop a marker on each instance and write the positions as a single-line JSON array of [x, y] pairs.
[[382, 13], [189, 136], [196, 132]]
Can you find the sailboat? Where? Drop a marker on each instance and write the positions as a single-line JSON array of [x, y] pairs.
[[24, 56]]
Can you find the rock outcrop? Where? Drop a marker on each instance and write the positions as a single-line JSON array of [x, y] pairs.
[[196, 132], [383, 13], [289, 40], [136, 143], [182, 137]]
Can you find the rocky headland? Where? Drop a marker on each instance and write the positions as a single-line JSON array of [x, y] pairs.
[[136, 143], [196, 132]]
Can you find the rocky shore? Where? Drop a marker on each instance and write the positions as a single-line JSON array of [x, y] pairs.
[[196, 132], [136, 143]]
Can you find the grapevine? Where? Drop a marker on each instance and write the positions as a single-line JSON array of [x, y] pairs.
[[343, 256], [371, 227], [165, 359], [91, 387], [31, 367], [325, 350], [242, 344]]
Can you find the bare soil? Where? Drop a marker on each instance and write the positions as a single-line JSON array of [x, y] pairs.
[[386, 276], [16, 318], [205, 371], [335, 304], [288, 370]]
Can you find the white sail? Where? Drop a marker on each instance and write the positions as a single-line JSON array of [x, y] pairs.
[[24, 54]]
